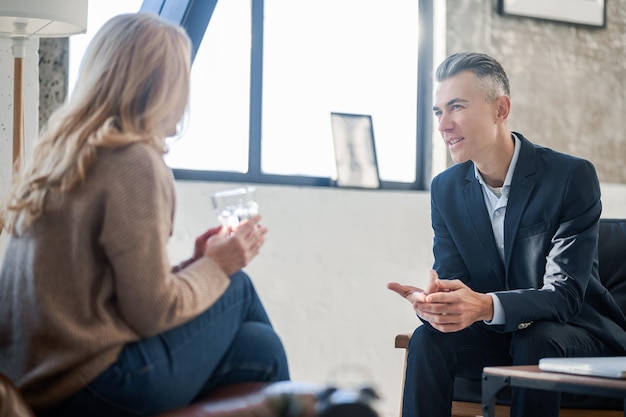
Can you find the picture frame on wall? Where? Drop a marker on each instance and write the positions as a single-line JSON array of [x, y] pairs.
[[580, 12], [355, 151]]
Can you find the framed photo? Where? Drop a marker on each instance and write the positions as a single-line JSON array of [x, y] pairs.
[[581, 12], [355, 152]]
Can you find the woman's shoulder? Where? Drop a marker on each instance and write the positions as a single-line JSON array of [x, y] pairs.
[[131, 159], [135, 166], [138, 152]]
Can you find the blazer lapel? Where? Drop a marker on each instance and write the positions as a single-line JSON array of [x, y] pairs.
[[475, 205], [521, 190]]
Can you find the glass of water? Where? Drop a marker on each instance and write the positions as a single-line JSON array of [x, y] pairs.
[[234, 206]]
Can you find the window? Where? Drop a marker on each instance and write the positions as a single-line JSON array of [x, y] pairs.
[[268, 73], [348, 56], [216, 135]]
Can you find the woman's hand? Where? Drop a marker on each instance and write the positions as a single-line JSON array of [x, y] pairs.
[[201, 241], [233, 250]]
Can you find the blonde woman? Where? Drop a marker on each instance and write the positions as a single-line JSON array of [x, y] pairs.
[[93, 320]]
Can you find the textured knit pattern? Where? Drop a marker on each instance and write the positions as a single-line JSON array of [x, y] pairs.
[[92, 274]]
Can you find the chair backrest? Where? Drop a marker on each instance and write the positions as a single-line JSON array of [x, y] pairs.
[[11, 402], [612, 258]]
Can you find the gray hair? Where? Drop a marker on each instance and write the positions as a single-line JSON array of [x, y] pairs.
[[491, 76]]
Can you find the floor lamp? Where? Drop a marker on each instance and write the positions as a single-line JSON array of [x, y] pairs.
[[21, 20]]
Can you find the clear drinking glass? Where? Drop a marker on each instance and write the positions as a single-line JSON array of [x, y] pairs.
[[234, 206]]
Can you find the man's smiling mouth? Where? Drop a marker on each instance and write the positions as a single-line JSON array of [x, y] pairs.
[[454, 141]]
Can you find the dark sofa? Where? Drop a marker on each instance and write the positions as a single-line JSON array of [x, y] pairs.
[[612, 271]]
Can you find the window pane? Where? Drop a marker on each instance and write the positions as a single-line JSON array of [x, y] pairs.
[[216, 133], [348, 56]]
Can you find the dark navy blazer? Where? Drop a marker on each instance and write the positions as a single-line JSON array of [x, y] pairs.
[[550, 269]]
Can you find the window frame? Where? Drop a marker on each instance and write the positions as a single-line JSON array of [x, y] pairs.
[[195, 16]]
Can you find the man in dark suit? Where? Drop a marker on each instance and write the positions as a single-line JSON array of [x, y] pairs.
[[515, 276]]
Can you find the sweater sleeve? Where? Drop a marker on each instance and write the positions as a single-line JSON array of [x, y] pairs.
[[136, 226]]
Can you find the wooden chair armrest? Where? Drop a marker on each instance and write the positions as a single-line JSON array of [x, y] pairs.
[[402, 340]]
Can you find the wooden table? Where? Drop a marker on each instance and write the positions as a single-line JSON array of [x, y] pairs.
[[499, 377]]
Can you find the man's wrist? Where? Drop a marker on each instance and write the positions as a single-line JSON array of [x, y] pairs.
[[488, 308], [497, 311]]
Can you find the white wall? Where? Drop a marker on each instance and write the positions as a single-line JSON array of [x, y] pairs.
[[323, 270], [322, 274]]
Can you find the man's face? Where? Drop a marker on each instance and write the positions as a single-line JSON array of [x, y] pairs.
[[466, 121]]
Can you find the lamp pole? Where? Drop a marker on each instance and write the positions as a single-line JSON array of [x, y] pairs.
[[19, 38]]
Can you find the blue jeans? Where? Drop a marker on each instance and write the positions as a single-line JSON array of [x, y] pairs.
[[233, 341], [435, 358]]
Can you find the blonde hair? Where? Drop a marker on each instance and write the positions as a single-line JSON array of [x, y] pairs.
[[133, 87]]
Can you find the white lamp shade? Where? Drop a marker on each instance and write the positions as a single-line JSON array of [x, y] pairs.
[[43, 18]]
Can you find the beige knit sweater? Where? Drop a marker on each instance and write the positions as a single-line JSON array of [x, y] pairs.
[[92, 274]]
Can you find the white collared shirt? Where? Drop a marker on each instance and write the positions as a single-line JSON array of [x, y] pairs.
[[496, 200]]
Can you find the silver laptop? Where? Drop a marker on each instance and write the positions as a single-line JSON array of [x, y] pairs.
[[609, 367]]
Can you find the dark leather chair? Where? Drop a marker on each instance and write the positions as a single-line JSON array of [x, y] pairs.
[[12, 404], [612, 271]]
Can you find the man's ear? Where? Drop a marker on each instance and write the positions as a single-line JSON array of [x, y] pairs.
[[504, 107]]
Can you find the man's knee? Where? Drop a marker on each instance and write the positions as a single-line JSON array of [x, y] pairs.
[[429, 347], [424, 337]]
